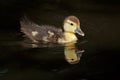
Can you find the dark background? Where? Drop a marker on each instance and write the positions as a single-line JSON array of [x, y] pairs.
[[12, 10], [100, 20]]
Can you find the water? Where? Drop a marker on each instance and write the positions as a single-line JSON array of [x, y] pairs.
[[22, 61], [47, 62]]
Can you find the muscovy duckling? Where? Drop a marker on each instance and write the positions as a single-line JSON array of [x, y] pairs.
[[47, 33]]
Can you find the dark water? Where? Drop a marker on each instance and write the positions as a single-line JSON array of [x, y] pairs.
[[101, 44]]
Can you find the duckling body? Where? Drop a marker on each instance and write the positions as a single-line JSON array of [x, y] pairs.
[[47, 33], [40, 33]]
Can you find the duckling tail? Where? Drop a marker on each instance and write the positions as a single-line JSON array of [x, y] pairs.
[[24, 20]]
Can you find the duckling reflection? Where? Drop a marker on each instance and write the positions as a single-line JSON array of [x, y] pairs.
[[72, 55], [40, 45], [71, 52]]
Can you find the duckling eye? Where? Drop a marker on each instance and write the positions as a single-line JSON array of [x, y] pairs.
[[71, 24], [72, 59]]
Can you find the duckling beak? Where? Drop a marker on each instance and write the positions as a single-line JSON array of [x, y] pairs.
[[79, 31]]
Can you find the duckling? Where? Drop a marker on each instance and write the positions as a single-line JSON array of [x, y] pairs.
[[46, 33]]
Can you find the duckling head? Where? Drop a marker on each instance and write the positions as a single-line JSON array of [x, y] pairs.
[[72, 25]]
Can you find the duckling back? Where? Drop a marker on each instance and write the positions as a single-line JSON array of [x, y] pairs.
[[38, 33]]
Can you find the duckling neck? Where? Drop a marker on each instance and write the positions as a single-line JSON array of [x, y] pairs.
[[68, 37]]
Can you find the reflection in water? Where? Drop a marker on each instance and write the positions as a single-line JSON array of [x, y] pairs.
[[72, 55], [29, 44]]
